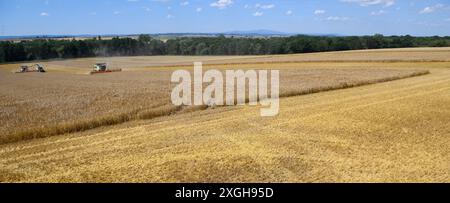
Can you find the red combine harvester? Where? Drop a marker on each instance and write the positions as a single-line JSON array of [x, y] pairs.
[[103, 68]]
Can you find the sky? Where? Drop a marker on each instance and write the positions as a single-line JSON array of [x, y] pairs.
[[342, 17]]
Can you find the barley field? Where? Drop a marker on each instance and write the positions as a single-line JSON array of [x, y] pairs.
[[36, 105], [120, 127]]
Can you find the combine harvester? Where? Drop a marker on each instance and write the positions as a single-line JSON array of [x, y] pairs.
[[103, 68], [30, 69]]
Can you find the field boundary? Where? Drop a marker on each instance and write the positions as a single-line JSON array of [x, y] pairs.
[[288, 62], [165, 110], [211, 62]]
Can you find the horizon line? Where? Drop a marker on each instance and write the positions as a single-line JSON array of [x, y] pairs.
[[238, 33]]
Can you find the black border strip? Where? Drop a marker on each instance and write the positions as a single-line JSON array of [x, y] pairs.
[[151, 192]]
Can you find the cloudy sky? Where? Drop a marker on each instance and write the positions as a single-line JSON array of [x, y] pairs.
[[345, 17]]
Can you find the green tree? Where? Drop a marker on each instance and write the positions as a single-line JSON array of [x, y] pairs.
[[221, 45], [2, 54]]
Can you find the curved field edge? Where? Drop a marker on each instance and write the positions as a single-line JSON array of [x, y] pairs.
[[166, 110]]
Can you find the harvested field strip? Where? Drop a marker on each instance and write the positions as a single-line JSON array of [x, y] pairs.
[[294, 62], [165, 110], [350, 85]]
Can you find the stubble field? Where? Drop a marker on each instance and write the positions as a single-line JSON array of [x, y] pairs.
[[387, 132]]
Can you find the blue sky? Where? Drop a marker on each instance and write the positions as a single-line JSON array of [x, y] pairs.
[[346, 17]]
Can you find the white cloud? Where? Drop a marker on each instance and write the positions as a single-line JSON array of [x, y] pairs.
[[116, 12], [377, 13], [427, 10], [45, 14], [448, 19], [337, 18], [266, 6], [289, 12], [184, 3], [431, 9], [169, 16], [257, 14], [385, 3], [246, 6], [93, 13], [199, 9], [222, 4], [319, 12], [146, 9]]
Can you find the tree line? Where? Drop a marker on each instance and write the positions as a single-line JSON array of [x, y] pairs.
[[144, 45]]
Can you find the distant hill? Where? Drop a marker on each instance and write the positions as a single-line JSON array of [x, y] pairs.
[[249, 33], [257, 32]]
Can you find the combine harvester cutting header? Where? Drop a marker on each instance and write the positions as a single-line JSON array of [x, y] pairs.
[[103, 68], [30, 69]]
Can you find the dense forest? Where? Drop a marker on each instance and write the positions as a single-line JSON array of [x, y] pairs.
[[145, 45]]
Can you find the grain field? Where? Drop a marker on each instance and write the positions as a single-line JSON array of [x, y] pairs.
[[394, 131]]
